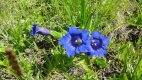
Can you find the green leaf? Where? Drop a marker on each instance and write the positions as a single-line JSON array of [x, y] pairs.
[[2, 63], [56, 34], [85, 67], [2, 49], [123, 77], [101, 62]]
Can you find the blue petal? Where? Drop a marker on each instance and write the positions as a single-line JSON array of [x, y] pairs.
[[89, 47], [96, 34], [97, 53], [100, 52], [74, 30], [90, 54], [85, 35], [82, 48], [34, 29], [70, 50], [105, 42], [65, 39], [74, 38], [43, 31], [91, 38]]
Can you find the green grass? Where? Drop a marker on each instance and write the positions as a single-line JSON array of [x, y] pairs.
[[110, 17]]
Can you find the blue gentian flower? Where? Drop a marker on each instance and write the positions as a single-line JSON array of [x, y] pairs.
[[74, 41], [97, 44], [36, 30]]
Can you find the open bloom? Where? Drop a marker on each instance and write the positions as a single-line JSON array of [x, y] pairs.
[[97, 44], [36, 30], [74, 41]]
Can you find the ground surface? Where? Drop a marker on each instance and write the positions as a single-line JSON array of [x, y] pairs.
[[42, 58]]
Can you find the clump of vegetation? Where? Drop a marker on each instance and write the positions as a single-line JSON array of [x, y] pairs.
[[42, 57]]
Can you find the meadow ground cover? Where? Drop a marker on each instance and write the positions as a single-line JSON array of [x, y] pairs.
[[42, 56]]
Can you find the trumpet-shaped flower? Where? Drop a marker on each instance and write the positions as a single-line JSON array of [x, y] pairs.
[[97, 44], [74, 41], [36, 30]]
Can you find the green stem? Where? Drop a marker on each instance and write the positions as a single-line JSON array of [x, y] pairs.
[[57, 35]]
